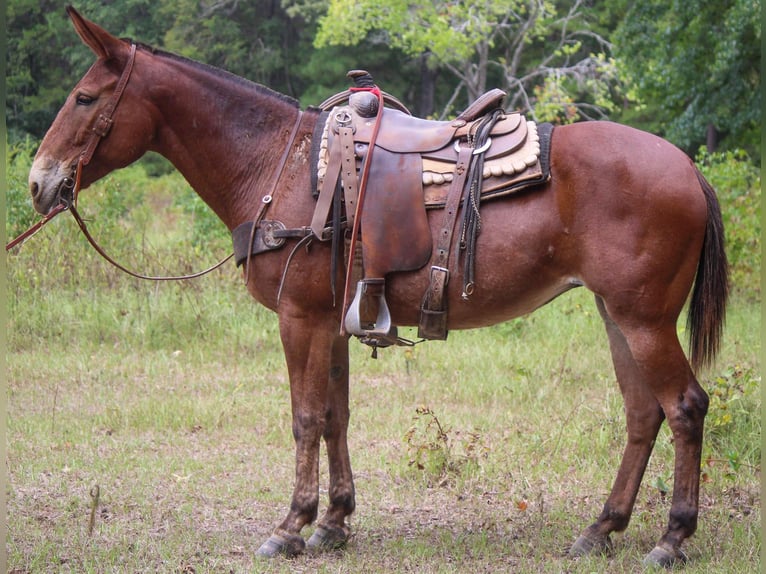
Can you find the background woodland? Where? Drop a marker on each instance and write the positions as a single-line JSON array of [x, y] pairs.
[[688, 71]]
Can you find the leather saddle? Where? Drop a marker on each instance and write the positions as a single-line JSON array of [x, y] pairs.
[[416, 165]]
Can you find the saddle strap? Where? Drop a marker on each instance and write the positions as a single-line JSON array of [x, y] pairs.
[[348, 173], [329, 183], [433, 310]]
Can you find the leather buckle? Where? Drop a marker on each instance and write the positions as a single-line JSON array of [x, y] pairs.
[[103, 125], [437, 269]]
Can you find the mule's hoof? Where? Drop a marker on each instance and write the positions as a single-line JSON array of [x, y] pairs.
[[661, 557], [587, 545], [328, 538], [283, 543]]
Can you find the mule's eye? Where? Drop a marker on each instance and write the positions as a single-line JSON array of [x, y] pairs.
[[84, 100]]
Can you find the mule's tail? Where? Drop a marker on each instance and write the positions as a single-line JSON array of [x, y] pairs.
[[707, 309]]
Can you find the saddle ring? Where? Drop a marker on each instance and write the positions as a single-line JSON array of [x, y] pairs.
[[343, 118], [478, 150]]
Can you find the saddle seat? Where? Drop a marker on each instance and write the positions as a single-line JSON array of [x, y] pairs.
[[401, 133]]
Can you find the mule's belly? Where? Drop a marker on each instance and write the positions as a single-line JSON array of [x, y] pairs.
[[523, 260]]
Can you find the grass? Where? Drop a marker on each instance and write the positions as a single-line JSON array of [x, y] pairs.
[[192, 453], [172, 399]]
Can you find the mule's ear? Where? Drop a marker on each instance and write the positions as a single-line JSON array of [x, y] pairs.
[[96, 38]]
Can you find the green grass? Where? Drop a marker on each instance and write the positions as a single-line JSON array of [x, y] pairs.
[[173, 400]]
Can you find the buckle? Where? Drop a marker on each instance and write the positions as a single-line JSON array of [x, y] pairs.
[[437, 269], [103, 125]]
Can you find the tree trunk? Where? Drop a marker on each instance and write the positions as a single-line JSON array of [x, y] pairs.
[[711, 140], [427, 88]]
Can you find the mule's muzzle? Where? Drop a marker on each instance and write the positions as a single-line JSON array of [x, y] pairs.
[[63, 194]]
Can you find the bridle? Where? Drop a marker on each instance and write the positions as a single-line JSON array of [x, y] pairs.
[[69, 188]]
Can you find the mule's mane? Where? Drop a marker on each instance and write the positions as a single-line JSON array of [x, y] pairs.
[[218, 72]]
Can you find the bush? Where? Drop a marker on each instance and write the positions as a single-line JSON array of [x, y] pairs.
[[738, 184]]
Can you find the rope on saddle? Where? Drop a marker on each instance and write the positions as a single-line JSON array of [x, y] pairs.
[[471, 225]]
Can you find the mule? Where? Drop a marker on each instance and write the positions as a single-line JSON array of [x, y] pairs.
[[625, 214]]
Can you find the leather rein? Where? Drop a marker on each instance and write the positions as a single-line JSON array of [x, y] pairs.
[[69, 188]]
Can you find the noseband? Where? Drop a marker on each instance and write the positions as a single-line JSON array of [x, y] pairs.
[[69, 188]]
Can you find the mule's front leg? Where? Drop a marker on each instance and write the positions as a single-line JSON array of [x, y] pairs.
[[332, 531], [308, 346]]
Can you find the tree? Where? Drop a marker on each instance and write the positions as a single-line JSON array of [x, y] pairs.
[[554, 66], [44, 57], [696, 64]]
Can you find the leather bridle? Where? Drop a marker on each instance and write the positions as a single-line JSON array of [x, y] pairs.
[[69, 188]]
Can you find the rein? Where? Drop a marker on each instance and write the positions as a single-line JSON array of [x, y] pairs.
[[69, 189]]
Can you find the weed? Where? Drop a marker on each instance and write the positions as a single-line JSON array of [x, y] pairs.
[[733, 421], [440, 452], [729, 397]]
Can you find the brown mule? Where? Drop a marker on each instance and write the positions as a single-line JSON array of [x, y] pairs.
[[625, 214]]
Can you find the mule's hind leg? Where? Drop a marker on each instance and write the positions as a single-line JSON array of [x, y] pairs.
[[644, 417], [685, 404], [332, 531], [660, 362]]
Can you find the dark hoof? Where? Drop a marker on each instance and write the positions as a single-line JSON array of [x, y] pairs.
[[589, 545], [282, 543], [328, 538], [662, 557]]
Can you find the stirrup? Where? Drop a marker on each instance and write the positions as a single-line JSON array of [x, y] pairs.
[[362, 319]]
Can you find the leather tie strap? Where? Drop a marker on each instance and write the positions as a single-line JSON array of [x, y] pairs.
[[348, 173], [326, 193], [434, 306]]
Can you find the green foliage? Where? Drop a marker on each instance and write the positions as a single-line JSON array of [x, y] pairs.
[[732, 426], [449, 30], [206, 230], [689, 64], [19, 214], [729, 393], [45, 57], [738, 185], [695, 64], [546, 55]]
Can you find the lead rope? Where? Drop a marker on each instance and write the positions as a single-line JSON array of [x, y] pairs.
[[102, 253]]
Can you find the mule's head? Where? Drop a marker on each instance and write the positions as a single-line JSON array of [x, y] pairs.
[[119, 142]]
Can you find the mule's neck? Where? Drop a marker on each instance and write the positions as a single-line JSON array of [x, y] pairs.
[[223, 133]]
